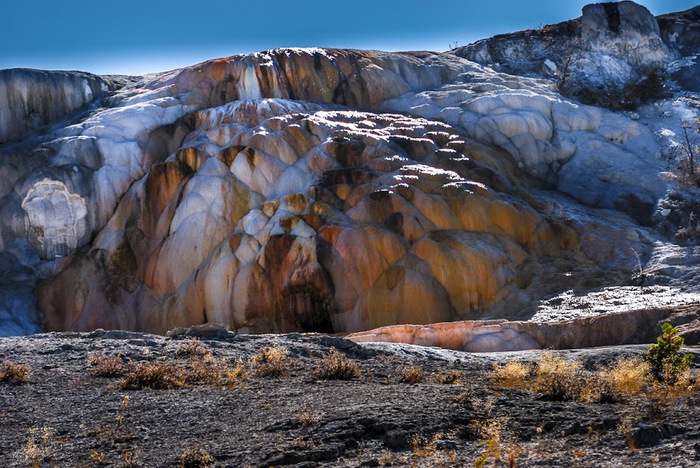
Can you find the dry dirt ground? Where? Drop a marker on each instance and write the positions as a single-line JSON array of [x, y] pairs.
[[65, 416]]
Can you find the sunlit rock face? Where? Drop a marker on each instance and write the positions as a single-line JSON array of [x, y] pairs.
[[355, 78], [637, 326], [682, 30], [584, 151], [277, 215], [341, 190]]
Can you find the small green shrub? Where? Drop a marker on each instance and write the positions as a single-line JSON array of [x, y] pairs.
[[668, 365]]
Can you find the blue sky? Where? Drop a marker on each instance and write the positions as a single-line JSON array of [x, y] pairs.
[[127, 36]]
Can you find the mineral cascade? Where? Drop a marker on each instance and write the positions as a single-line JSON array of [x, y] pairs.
[[342, 190]]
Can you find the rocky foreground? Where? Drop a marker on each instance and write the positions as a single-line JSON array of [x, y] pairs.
[[453, 415]]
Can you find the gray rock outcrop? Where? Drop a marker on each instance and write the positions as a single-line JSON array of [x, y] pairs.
[[611, 56]]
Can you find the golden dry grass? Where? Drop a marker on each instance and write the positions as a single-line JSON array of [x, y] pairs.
[[514, 374], [270, 362], [236, 374], [562, 379], [498, 444], [39, 448], [207, 370], [108, 366], [411, 375], [558, 378], [154, 376], [626, 377], [336, 366], [308, 417], [14, 372], [195, 457], [452, 377], [192, 347]]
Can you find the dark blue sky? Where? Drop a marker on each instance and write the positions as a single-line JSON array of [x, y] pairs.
[[127, 36]]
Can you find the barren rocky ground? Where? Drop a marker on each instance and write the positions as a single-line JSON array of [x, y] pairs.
[[67, 416]]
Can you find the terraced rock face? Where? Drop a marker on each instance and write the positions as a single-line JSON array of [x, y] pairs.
[[277, 215], [281, 191]]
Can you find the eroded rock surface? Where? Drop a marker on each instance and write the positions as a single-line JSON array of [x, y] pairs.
[[281, 190], [637, 326], [299, 421], [609, 56], [278, 215], [31, 99]]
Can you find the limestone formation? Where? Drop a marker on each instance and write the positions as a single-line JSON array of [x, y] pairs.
[[31, 99], [583, 151], [277, 215], [342, 190], [637, 326]]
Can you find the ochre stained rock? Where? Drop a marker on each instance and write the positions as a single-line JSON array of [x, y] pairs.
[[631, 327], [276, 216]]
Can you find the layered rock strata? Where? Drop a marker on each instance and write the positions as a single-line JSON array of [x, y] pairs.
[[633, 327]]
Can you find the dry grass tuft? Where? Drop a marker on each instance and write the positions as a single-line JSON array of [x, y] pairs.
[[131, 460], [513, 374], [14, 372], [558, 378], [432, 449], [411, 375], [422, 446], [447, 378], [665, 394], [195, 457], [270, 362], [336, 366], [308, 417], [108, 366], [236, 374], [207, 370], [154, 376], [38, 450], [626, 377], [562, 379], [193, 347], [498, 444]]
